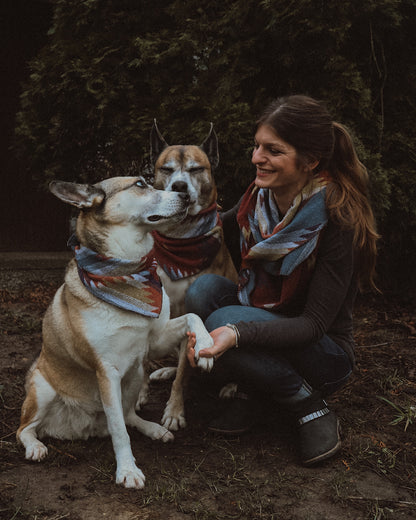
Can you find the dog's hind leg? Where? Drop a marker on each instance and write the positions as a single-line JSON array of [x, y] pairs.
[[143, 376], [39, 396]]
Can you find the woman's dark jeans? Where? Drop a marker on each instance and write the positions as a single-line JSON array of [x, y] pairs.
[[324, 366]]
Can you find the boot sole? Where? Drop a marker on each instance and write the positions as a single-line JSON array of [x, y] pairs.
[[228, 432]]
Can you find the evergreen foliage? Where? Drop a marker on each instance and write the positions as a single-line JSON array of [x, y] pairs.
[[111, 66]]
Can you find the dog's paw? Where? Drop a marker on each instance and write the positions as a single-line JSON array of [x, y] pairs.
[[204, 341], [174, 423], [151, 429], [161, 433], [163, 374], [173, 420], [228, 391], [36, 451], [205, 364], [130, 477]]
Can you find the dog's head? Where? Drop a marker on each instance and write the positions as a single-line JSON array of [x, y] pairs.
[[118, 207], [186, 168]]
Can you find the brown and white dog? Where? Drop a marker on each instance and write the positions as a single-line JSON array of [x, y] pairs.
[[110, 314], [194, 247]]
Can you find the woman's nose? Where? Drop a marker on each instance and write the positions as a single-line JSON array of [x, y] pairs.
[[257, 156]]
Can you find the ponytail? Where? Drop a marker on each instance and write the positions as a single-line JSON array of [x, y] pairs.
[[348, 203]]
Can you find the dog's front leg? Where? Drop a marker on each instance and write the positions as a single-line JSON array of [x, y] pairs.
[[174, 334], [127, 473], [174, 413]]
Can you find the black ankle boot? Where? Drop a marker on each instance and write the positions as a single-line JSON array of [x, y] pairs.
[[237, 416], [318, 430]]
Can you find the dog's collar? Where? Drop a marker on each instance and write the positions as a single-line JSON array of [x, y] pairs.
[[193, 252], [129, 285]]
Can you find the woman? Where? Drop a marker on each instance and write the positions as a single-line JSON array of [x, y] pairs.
[[308, 241]]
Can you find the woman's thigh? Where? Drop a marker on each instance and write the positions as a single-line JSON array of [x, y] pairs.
[[236, 313], [208, 293], [324, 365]]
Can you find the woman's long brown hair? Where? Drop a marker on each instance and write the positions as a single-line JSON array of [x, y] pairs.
[[306, 124]]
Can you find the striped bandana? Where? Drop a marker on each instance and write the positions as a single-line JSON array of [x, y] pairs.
[[195, 250], [274, 250], [132, 286]]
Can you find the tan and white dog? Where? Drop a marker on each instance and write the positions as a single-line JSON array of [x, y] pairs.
[[189, 169], [105, 320], [194, 247]]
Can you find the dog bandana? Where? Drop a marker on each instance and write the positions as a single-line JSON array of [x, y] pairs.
[[195, 250], [278, 255], [132, 286]]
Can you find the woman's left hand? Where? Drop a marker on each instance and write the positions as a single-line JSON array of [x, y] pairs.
[[224, 339]]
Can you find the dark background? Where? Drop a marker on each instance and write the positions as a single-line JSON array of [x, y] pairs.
[[101, 71], [30, 218]]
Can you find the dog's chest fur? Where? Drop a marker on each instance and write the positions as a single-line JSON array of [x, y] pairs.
[[100, 332]]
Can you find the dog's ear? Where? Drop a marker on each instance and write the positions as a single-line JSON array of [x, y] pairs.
[[157, 142], [80, 195], [210, 147]]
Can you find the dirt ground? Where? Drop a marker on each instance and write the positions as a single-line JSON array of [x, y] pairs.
[[203, 476]]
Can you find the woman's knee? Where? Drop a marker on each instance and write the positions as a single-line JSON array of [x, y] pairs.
[[209, 292]]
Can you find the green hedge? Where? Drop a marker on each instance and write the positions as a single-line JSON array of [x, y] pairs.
[[110, 67]]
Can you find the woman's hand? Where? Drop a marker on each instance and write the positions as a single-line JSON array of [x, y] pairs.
[[224, 339]]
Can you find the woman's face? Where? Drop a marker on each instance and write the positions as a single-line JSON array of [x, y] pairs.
[[277, 166]]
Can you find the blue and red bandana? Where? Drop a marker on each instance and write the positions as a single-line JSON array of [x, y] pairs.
[[188, 255], [132, 286]]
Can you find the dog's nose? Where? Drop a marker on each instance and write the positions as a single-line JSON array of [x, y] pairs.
[[180, 186]]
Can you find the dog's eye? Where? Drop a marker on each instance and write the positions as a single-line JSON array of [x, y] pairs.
[[141, 183], [196, 169], [166, 169]]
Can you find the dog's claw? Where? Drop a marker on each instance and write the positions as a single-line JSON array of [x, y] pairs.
[[205, 364], [36, 452], [130, 478], [173, 420], [174, 423]]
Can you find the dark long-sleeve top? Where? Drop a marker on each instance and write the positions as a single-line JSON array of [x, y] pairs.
[[328, 304]]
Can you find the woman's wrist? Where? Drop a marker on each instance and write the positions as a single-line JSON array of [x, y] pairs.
[[234, 328]]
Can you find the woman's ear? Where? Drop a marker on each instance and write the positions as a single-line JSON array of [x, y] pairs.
[[313, 163]]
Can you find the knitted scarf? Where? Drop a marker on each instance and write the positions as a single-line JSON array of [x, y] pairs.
[[132, 286], [195, 250], [278, 255]]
